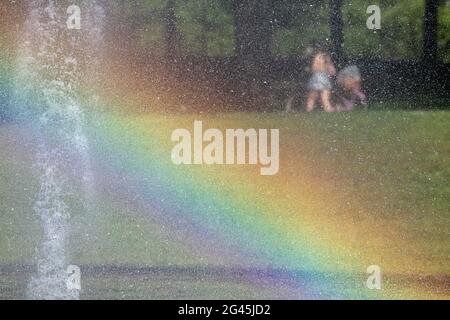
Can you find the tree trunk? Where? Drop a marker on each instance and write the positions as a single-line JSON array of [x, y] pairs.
[[172, 37], [430, 46], [337, 37], [253, 30], [204, 28]]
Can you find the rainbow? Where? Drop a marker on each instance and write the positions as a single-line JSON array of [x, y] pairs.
[[294, 223], [297, 227]]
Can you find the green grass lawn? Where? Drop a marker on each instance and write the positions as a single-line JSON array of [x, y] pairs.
[[398, 161]]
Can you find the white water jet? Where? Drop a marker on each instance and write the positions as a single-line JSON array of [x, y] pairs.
[[50, 67]]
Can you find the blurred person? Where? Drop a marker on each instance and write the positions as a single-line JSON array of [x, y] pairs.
[[350, 90], [320, 86]]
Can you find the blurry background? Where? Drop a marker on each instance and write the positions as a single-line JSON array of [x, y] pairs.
[[257, 48], [216, 55]]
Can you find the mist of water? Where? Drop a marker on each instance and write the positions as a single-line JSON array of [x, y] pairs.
[[51, 66]]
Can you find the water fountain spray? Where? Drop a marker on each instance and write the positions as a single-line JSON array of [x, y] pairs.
[[51, 62]]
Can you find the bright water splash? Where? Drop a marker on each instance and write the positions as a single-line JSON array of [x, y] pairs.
[[50, 70]]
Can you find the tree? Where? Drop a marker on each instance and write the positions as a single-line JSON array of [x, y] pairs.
[[430, 46], [337, 37], [253, 29], [203, 18], [172, 37]]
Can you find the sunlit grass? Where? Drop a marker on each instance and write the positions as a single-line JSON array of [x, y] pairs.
[[395, 162]]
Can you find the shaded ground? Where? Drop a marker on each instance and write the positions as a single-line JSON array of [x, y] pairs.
[[112, 282]]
